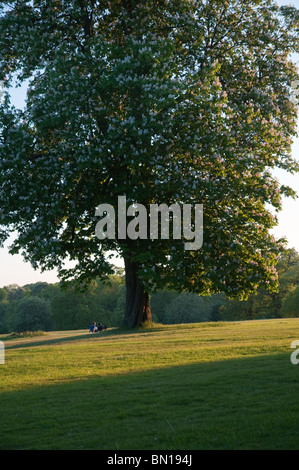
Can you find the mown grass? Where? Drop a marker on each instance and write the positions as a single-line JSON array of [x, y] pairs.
[[200, 386]]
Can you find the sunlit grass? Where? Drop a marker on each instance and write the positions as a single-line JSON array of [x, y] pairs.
[[200, 386]]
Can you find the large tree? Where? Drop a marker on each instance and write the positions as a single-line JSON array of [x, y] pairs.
[[162, 101]]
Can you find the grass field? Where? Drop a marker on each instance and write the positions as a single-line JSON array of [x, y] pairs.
[[180, 387]]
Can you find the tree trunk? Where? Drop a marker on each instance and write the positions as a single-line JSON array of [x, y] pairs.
[[137, 300]]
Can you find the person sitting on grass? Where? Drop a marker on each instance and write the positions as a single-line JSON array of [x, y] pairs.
[[93, 328]]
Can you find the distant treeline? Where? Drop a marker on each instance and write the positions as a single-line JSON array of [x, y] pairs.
[[43, 306]]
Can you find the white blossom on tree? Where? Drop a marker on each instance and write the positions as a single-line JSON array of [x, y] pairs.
[[160, 101]]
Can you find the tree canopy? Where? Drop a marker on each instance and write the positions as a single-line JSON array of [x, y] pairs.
[[164, 102], [33, 314]]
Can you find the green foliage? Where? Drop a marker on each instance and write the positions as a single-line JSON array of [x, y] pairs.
[[3, 294], [70, 310], [290, 307], [33, 314], [171, 307], [143, 99], [120, 306], [159, 303], [75, 310], [270, 305]]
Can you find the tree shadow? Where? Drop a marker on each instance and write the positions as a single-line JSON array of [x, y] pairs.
[[43, 340], [245, 403]]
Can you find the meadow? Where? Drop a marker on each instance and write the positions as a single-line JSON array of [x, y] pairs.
[[224, 385]]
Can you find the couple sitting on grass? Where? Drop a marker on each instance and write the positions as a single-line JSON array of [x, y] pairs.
[[94, 328]]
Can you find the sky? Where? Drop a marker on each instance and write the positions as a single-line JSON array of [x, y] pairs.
[[13, 269]]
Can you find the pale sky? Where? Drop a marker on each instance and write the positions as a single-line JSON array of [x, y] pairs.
[[13, 270]]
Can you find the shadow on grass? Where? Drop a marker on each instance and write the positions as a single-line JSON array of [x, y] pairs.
[[25, 343], [43, 340], [248, 403]]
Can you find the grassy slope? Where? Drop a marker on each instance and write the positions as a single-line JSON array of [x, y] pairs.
[[201, 386]]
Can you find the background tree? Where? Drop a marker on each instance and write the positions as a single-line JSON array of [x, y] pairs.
[[188, 307], [74, 310], [161, 101], [290, 306], [33, 314], [264, 304]]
